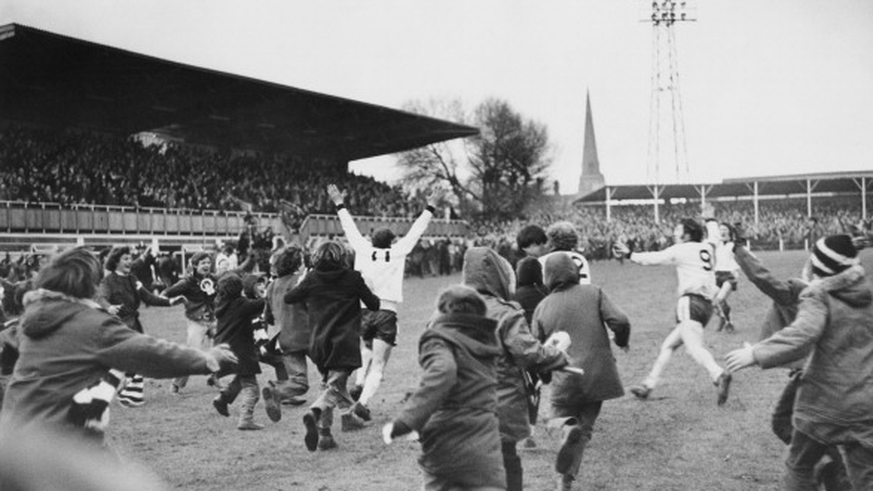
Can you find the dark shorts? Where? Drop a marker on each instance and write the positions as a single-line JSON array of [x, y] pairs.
[[722, 277], [693, 307], [380, 324]]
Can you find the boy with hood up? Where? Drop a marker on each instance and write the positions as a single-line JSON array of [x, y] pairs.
[[455, 406], [584, 312], [834, 402], [492, 276]]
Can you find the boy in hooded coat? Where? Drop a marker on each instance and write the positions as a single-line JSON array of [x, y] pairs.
[[584, 312], [333, 294], [834, 402], [455, 406], [786, 299], [492, 276]]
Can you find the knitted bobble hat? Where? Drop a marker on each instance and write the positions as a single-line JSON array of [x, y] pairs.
[[832, 255]]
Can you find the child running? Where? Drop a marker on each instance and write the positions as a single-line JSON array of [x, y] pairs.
[[292, 321], [333, 294], [235, 314], [584, 312], [455, 406], [198, 287]]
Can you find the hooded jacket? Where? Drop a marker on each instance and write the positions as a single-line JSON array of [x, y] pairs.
[[68, 344], [455, 406], [333, 299], [584, 312], [492, 276], [784, 293], [235, 314], [835, 399], [292, 320]]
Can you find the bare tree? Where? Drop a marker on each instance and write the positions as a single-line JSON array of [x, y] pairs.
[[494, 175]]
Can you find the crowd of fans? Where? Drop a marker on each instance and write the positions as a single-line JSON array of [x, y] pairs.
[[86, 168], [782, 223]]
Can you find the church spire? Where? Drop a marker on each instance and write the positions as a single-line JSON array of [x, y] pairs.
[[591, 179]]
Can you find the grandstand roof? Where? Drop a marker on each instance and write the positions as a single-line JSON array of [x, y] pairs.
[[827, 182], [51, 79]]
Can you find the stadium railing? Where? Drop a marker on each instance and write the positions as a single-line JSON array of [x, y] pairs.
[[85, 219], [329, 225], [19, 216]]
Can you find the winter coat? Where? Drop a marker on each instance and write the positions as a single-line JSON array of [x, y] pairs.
[[455, 407], [292, 320], [531, 290], [784, 293], [584, 312], [68, 344], [835, 398], [333, 299], [199, 293], [127, 291], [492, 276], [235, 315]]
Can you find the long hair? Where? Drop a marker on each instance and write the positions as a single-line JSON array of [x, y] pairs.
[[693, 229], [114, 257], [288, 260], [329, 256], [732, 232], [76, 272], [563, 236]]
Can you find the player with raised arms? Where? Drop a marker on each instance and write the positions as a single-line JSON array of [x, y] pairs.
[[381, 263]]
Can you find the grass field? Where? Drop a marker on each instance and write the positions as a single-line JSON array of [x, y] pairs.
[[677, 440]]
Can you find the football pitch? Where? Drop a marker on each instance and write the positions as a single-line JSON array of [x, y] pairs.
[[677, 440]]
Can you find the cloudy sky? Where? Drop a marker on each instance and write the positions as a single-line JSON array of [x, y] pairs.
[[768, 87]]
